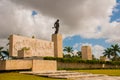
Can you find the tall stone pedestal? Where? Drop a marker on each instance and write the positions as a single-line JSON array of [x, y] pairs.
[[86, 53], [57, 39]]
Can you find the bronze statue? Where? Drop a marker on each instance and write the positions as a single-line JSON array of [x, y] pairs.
[[56, 26]]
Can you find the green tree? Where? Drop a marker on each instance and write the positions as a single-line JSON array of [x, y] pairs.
[[3, 53], [115, 51], [93, 57], [108, 53], [67, 56], [79, 53], [68, 49]]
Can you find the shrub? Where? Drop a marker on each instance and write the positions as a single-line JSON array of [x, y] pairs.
[[77, 60]]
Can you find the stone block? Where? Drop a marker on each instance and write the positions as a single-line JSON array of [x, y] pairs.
[[58, 50], [40, 48], [15, 64], [86, 53], [44, 65]]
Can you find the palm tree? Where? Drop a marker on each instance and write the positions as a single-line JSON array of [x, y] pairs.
[[68, 49], [79, 53], [115, 51], [107, 53], [3, 53], [112, 52], [93, 57]]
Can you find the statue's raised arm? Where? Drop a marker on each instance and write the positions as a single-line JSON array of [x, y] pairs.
[[56, 26]]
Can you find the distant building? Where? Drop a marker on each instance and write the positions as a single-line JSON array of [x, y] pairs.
[[86, 53]]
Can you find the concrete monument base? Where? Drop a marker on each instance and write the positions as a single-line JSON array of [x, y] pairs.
[[15, 64], [57, 39], [35, 65], [44, 65]]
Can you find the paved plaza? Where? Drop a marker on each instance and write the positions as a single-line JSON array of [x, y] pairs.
[[99, 78], [73, 75]]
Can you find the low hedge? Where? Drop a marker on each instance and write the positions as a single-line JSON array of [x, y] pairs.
[[77, 60]]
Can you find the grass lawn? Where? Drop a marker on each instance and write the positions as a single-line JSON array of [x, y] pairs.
[[18, 76], [110, 72]]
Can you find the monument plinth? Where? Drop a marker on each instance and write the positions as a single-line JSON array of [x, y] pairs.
[[44, 65], [36, 47], [57, 39], [86, 53]]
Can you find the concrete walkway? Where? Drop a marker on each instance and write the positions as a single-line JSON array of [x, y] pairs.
[[72, 75], [99, 78]]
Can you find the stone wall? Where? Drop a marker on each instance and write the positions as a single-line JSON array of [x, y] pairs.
[[15, 64], [84, 66], [44, 65], [2, 64], [37, 47], [34, 65]]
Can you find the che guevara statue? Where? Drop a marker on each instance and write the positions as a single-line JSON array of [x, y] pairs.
[[56, 26]]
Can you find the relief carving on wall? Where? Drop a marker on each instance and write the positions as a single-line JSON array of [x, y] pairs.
[[37, 47]]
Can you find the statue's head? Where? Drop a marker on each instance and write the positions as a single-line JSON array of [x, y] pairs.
[[57, 20]]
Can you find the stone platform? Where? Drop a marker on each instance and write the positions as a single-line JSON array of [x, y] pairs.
[[100, 78], [65, 75]]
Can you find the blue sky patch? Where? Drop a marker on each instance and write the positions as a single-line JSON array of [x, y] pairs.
[[116, 13], [71, 41], [34, 13]]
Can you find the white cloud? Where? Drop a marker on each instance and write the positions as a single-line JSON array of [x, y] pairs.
[[80, 17], [113, 40], [77, 16], [15, 19], [77, 46], [3, 43], [98, 50], [86, 44], [75, 52], [112, 33], [37, 25]]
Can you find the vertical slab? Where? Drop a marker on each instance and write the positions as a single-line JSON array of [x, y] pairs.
[[36, 47], [58, 50], [86, 53], [44, 65], [11, 45]]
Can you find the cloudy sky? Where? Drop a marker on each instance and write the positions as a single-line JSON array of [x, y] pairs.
[[82, 22]]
